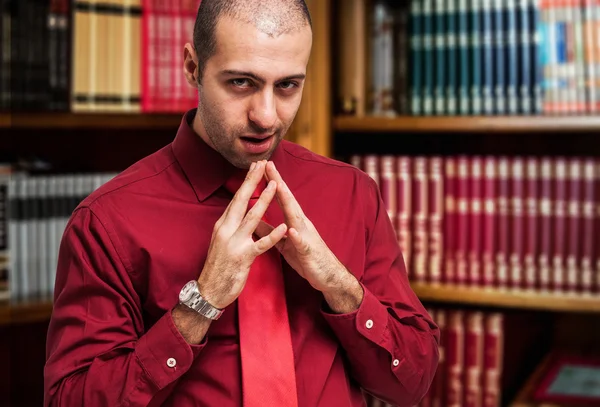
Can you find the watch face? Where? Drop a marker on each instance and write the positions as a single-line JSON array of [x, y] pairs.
[[186, 292]]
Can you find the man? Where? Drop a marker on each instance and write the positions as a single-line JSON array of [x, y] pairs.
[[231, 267]]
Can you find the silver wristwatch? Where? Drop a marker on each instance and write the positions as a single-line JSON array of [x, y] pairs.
[[190, 297]]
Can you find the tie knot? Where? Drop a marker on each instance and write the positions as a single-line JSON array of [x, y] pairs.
[[237, 179]]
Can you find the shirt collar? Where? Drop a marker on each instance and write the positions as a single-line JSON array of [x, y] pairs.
[[206, 169]]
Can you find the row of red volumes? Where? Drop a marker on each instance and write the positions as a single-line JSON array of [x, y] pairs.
[[507, 222], [167, 25], [469, 372]]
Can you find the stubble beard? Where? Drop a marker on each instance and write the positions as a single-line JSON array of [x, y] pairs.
[[224, 141]]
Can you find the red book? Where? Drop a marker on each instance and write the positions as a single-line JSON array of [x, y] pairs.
[[588, 234], [516, 216], [455, 347], [461, 235], [420, 214], [473, 359], [404, 204], [387, 177], [503, 222], [356, 160], [489, 222], [546, 225], [371, 167], [531, 215], [559, 226], [492, 364], [436, 213], [439, 381], [450, 216], [575, 219], [475, 221], [157, 77], [177, 44]]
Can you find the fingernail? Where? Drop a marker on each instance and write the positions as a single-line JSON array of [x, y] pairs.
[[271, 185]]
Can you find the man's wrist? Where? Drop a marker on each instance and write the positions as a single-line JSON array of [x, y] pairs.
[[345, 295]]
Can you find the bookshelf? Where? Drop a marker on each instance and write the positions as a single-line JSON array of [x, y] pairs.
[[498, 298], [24, 312], [40, 310], [472, 124], [67, 120]]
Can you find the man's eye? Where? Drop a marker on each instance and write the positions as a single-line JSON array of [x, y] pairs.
[[240, 82], [288, 85]]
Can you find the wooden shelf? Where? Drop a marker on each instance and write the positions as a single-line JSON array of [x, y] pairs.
[[61, 120], [507, 298], [470, 124], [25, 311]]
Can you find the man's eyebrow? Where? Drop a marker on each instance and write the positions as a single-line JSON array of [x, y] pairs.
[[258, 78]]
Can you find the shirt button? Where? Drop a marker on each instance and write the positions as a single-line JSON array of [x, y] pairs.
[[396, 362], [171, 362], [369, 324]]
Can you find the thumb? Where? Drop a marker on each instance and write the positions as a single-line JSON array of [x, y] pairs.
[[264, 229]]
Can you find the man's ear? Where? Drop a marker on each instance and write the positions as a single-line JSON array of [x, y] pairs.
[[190, 65]]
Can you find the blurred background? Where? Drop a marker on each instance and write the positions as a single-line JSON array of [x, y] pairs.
[[479, 120]]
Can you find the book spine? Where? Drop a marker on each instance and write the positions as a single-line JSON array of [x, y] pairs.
[[574, 219], [526, 65], [488, 38], [537, 56], [511, 51], [455, 358], [450, 216], [464, 66], [546, 230], [400, 56], [371, 167], [494, 349], [428, 60], [503, 223], [475, 214], [560, 225], [531, 214], [452, 47], [516, 216], [499, 56], [439, 381], [5, 249], [404, 202], [420, 214], [441, 64], [477, 58], [489, 222], [474, 354], [589, 235], [589, 40], [580, 63], [436, 212], [416, 50], [388, 185], [462, 221]]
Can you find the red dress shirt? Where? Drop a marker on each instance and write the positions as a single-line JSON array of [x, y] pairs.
[[132, 244]]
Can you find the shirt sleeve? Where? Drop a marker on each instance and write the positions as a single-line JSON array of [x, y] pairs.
[[391, 341], [97, 351]]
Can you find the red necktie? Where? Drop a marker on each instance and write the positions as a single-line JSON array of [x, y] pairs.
[[268, 375]]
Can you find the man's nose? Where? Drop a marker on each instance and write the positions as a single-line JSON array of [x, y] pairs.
[[263, 112]]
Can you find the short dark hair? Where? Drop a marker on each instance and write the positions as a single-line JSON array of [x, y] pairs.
[[210, 11]]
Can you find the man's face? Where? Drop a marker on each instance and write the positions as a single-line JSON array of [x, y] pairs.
[[251, 89]]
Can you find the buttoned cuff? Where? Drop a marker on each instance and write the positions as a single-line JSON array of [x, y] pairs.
[[163, 352], [370, 320]]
